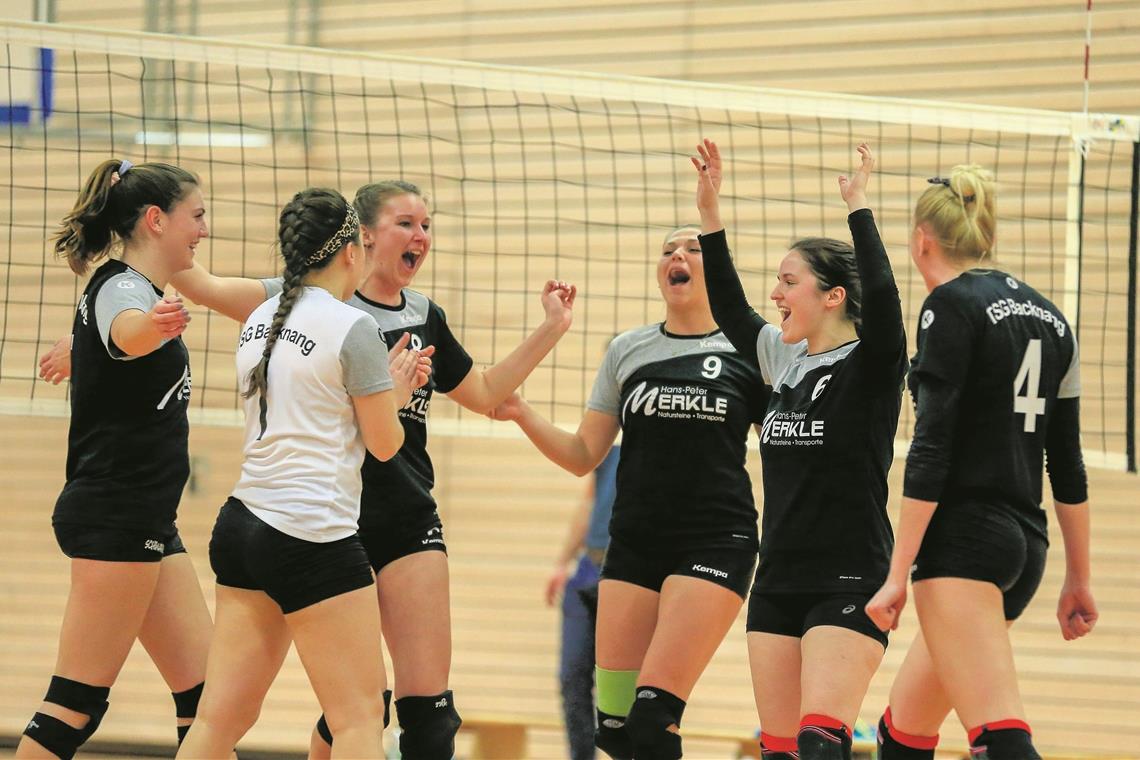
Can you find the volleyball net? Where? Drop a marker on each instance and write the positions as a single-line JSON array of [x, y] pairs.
[[535, 174]]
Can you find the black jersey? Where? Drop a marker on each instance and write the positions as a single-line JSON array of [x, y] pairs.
[[127, 457], [397, 493], [1002, 363], [685, 405], [827, 440]]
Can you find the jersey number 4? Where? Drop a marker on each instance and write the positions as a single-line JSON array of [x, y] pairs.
[[1029, 375]]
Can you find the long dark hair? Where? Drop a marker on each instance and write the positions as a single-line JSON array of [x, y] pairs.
[[314, 226], [110, 204], [833, 264]]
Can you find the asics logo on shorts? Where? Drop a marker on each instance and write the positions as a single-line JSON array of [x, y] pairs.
[[647, 694], [613, 723], [849, 609], [711, 571], [154, 546], [441, 703]]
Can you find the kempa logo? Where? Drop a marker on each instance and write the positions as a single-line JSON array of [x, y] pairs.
[[927, 319], [125, 284], [154, 546], [1011, 282], [711, 571], [647, 694]]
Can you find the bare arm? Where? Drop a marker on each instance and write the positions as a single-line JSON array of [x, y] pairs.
[[137, 333], [482, 391], [1076, 611], [571, 545], [579, 452], [236, 297]]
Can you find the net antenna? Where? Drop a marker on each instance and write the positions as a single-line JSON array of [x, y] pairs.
[[536, 173]]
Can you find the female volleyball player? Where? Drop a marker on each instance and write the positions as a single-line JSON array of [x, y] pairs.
[[399, 522], [127, 454], [995, 382], [290, 566], [683, 532], [836, 364]]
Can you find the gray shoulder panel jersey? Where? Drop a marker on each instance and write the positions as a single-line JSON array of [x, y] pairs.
[[122, 292]]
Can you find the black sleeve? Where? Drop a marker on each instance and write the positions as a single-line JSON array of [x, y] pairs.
[[928, 461], [882, 332], [739, 321], [451, 362], [1063, 459], [946, 337]]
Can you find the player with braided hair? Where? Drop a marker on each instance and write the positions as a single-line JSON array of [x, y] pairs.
[[127, 458], [290, 566]]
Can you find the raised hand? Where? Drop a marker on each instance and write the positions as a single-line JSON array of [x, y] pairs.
[[558, 302], [55, 365], [710, 174], [169, 317], [854, 190]]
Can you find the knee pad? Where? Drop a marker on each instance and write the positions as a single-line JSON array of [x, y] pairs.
[[896, 745], [610, 736], [428, 726], [323, 725], [55, 735], [1003, 740], [822, 737], [778, 747], [653, 711], [186, 706]]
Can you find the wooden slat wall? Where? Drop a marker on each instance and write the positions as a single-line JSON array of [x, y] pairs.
[[1011, 52], [505, 508]]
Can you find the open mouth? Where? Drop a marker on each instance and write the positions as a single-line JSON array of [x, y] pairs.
[[410, 259], [678, 277], [785, 312]]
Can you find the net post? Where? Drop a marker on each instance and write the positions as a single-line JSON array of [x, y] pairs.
[[1130, 361], [1074, 218]]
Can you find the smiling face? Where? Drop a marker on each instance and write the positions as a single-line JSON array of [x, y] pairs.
[[183, 227], [399, 240], [681, 270], [801, 303]]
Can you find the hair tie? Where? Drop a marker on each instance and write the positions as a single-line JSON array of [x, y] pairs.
[[946, 183], [347, 232], [939, 181], [117, 175]]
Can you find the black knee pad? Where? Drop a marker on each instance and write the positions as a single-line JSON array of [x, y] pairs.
[[323, 725], [428, 726], [186, 706], [653, 711], [892, 746], [823, 738], [1003, 744], [55, 735], [610, 737]]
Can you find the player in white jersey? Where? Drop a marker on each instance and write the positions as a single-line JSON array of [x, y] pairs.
[[290, 566], [127, 458], [399, 524]]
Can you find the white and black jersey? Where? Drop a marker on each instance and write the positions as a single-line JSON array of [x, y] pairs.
[[127, 459], [685, 405], [303, 450], [397, 493], [996, 381], [827, 440]]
